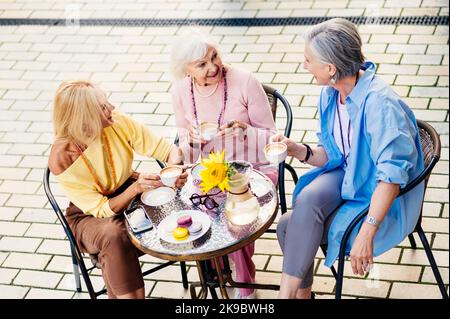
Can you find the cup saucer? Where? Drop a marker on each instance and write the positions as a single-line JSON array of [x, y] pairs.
[[158, 196]]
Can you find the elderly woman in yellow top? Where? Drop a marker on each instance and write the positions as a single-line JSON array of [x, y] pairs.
[[92, 159]]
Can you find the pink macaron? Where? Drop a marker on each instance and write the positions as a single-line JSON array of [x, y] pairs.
[[184, 221]]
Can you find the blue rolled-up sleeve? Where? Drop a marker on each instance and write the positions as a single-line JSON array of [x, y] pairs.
[[392, 142]]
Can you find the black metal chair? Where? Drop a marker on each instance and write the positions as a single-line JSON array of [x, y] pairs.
[[77, 257], [273, 96], [431, 147]]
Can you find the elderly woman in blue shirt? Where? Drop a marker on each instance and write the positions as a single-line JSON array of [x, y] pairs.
[[368, 149]]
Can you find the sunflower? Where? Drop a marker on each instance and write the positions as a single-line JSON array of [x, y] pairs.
[[215, 172]]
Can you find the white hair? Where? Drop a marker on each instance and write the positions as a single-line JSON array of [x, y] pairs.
[[188, 48], [337, 41]]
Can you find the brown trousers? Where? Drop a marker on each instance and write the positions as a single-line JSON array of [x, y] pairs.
[[108, 238]]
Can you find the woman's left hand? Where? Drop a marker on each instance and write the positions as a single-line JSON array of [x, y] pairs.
[[233, 128], [361, 255]]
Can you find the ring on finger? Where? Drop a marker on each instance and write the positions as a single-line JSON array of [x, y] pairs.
[[365, 266]]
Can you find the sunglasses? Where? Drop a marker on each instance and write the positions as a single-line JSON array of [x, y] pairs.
[[205, 200]]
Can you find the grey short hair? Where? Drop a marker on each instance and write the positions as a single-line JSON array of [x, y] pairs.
[[191, 46], [337, 41]]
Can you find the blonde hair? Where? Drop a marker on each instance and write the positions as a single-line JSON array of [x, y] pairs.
[[191, 46], [77, 112]]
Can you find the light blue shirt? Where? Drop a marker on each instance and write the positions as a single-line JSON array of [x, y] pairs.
[[385, 147]]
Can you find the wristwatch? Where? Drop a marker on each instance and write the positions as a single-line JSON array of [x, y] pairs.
[[372, 221]]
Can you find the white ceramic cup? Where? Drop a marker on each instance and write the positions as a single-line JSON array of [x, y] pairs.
[[208, 130], [170, 174], [275, 152]]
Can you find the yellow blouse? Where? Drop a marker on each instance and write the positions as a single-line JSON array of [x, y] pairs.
[[125, 136]]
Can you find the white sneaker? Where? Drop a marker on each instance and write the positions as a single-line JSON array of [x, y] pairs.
[[237, 295], [237, 291]]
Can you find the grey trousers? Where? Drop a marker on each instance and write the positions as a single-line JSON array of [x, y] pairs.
[[302, 231]]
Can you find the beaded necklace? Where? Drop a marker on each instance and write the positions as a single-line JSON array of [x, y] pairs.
[[106, 147], [225, 97]]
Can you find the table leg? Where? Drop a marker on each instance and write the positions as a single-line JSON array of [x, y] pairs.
[[213, 292], [210, 276], [232, 283], [222, 280], [202, 284], [209, 280]]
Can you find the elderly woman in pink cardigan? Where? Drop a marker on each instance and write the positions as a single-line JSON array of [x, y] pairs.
[[207, 90]]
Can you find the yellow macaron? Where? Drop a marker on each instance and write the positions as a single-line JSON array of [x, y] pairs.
[[180, 233]]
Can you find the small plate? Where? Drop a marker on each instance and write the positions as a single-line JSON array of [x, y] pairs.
[[172, 219], [158, 196]]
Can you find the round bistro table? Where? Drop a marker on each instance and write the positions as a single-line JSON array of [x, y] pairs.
[[210, 251]]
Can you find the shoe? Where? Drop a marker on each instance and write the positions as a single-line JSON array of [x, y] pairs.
[[237, 295]]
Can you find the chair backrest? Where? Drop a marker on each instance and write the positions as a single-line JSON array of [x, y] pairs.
[[431, 150], [431, 145], [270, 92], [273, 96], [76, 252], [57, 209]]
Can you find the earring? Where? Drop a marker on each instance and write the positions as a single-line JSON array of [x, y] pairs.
[[332, 81]]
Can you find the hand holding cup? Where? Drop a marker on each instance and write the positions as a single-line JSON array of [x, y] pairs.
[[293, 149], [275, 152], [173, 176], [208, 130], [234, 128], [194, 137], [147, 181]]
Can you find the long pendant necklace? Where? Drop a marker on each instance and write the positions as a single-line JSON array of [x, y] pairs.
[[348, 127], [342, 137], [225, 97], [106, 147]]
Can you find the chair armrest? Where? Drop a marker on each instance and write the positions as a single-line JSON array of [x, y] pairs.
[[292, 172], [423, 175], [287, 106]]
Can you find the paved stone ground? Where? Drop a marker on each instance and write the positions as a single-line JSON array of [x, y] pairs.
[[130, 63]]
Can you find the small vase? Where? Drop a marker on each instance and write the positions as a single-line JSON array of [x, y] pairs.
[[241, 206]]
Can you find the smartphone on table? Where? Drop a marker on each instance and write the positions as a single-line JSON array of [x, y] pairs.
[[138, 219]]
